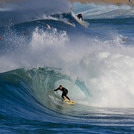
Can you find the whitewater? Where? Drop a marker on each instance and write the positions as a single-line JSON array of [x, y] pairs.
[[95, 63]]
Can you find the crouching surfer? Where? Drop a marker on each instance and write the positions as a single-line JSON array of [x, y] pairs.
[[80, 17], [64, 92]]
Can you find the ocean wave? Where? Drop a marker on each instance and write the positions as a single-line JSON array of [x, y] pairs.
[[23, 11]]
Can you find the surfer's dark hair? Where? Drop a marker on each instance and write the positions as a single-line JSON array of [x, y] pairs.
[[60, 86]]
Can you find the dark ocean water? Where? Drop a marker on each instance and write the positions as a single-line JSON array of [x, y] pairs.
[[95, 63]]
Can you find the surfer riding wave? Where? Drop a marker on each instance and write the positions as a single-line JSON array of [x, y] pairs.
[[64, 92]]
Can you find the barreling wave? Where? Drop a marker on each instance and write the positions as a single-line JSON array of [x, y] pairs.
[[27, 94], [26, 98]]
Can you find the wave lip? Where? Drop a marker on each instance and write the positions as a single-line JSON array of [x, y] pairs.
[[22, 11]]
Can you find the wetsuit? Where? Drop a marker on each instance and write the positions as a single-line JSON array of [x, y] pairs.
[[64, 92], [80, 16]]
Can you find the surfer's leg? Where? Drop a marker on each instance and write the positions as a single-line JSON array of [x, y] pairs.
[[63, 96], [67, 97]]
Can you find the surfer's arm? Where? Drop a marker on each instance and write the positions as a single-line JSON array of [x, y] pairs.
[[56, 89]]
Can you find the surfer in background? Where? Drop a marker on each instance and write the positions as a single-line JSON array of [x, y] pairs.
[[64, 92], [71, 21], [48, 26], [25, 32], [1, 37], [80, 16]]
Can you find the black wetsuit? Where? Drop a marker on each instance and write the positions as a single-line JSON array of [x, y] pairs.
[[64, 92], [80, 16]]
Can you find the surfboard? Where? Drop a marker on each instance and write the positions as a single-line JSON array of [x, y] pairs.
[[67, 101], [69, 23]]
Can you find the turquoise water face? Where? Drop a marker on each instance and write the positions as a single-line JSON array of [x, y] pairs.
[[95, 64]]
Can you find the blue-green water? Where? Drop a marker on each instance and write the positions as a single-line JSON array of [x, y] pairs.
[[94, 63]]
